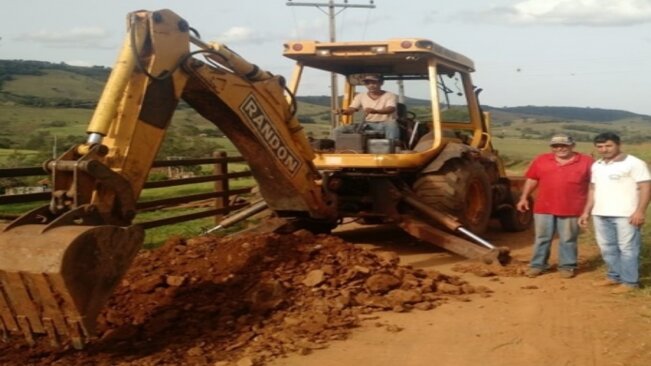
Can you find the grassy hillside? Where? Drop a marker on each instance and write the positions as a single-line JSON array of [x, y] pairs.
[[635, 129], [567, 113], [40, 100], [55, 84], [517, 152]]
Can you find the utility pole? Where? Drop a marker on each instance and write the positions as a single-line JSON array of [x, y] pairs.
[[334, 94]]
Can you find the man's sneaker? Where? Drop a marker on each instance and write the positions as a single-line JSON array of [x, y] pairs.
[[605, 283], [534, 272], [566, 273], [623, 289]]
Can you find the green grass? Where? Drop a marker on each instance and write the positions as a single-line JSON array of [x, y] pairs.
[[165, 192], [539, 127], [21, 208], [20, 121], [518, 153], [5, 153], [155, 237], [56, 84]]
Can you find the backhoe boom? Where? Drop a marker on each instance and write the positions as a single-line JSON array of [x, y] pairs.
[[60, 263]]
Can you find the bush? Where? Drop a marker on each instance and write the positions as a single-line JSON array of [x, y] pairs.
[[157, 176], [5, 143]]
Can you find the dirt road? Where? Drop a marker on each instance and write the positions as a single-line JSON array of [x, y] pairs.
[[305, 300], [541, 321]]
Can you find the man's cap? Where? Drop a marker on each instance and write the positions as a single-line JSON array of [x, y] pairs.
[[374, 77], [561, 139]]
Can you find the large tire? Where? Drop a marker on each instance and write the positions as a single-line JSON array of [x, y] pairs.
[[461, 189]]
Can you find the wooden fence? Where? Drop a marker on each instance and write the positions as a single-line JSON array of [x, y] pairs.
[[221, 196]]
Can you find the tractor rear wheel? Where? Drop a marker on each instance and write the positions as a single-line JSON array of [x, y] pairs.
[[460, 188]]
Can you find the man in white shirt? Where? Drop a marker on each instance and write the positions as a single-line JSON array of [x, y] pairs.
[[379, 108], [619, 194]]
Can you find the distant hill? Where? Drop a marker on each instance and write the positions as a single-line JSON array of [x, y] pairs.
[[567, 113], [596, 115], [9, 69], [83, 85], [37, 96], [40, 84]]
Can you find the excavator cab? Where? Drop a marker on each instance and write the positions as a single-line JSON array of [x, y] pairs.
[[433, 81], [445, 143]]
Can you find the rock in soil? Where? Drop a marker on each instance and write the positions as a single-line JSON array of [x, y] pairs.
[[243, 301]]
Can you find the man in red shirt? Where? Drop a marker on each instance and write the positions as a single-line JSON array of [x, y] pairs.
[[562, 178]]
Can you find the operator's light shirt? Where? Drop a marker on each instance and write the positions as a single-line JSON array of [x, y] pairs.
[[562, 189], [615, 185], [388, 99]]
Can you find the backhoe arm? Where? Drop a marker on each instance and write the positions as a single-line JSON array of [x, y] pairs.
[[60, 262], [257, 119]]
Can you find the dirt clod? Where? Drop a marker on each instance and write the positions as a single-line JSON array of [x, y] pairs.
[[382, 282]]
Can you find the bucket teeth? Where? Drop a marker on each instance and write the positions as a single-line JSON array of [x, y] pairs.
[[4, 332], [6, 315], [31, 303], [55, 282]]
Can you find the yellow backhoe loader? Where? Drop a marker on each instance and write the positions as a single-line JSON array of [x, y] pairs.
[[441, 182]]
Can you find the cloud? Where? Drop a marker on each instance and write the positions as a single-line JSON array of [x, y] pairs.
[[92, 37], [243, 35], [574, 12], [79, 63]]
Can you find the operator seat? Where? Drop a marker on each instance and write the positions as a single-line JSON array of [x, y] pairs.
[[411, 130]]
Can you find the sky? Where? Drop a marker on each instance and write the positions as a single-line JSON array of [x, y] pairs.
[[578, 53]]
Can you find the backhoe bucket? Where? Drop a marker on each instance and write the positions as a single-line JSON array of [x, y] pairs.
[[55, 280]]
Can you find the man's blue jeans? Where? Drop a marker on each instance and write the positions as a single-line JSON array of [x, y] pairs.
[[568, 231], [619, 242]]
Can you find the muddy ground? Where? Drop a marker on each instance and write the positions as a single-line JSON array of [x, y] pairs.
[[320, 300]]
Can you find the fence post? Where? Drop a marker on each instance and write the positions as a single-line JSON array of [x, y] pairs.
[[221, 184]]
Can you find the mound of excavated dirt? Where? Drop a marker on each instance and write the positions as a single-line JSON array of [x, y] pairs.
[[244, 301]]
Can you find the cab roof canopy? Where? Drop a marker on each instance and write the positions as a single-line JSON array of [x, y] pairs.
[[395, 58]]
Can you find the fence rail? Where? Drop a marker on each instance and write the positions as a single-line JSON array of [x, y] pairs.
[[219, 199]]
